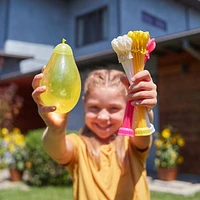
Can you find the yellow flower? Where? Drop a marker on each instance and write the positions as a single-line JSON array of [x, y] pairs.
[[11, 147], [4, 131], [13, 139], [7, 138], [19, 140], [173, 140], [181, 142], [168, 144], [157, 142], [180, 159], [28, 165], [166, 133], [17, 131]]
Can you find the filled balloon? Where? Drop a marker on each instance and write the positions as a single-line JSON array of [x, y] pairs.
[[62, 80]]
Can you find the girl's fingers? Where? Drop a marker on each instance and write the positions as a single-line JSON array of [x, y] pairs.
[[43, 68], [36, 94], [144, 75], [43, 110], [143, 92], [143, 98], [141, 86], [150, 103], [36, 81], [142, 95]]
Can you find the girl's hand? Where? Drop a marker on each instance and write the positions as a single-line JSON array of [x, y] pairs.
[[142, 91], [51, 119]]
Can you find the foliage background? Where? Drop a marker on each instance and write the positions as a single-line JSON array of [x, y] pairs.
[[168, 148], [42, 170]]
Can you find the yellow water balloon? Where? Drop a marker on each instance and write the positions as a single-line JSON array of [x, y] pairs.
[[62, 79]]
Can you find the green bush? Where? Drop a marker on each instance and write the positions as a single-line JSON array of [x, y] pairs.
[[42, 170]]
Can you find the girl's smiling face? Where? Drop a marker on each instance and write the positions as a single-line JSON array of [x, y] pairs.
[[104, 111]]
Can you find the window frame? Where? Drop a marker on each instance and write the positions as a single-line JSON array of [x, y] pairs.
[[154, 21], [94, 27]]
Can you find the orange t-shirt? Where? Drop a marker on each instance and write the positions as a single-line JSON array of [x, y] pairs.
[[108, 183]]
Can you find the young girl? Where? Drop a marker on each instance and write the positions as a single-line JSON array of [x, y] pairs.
[[104, 165]]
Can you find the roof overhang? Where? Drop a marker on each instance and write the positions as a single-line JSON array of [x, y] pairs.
[[175, 43], [195, 4], [4, 56], [19, 57]]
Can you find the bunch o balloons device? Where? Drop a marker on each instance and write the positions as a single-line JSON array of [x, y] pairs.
[[133, 50], [62, 80]]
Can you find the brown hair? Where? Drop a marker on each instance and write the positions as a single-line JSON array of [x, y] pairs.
[[105, 78]]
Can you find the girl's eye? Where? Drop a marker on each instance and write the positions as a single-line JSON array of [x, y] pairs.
[[94, 108], [113, 109]]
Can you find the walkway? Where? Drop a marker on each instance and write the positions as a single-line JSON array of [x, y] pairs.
[[186, 184], [5, 183]]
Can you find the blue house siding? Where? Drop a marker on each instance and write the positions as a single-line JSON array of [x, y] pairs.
[[38, 21], [193, 18], [169, 11], [3, 22]]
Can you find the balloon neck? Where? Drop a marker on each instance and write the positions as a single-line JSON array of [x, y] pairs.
[[64, 41], [63, 48]]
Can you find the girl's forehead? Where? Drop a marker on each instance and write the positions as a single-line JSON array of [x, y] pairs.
[[109, 90], [105, 92]]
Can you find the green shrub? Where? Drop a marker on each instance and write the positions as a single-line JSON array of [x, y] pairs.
[[42, 170]]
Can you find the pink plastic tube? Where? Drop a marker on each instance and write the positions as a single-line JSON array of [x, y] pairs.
[[126, 128]]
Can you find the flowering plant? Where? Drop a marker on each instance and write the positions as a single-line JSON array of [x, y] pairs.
[[13, 153], [168, 144]]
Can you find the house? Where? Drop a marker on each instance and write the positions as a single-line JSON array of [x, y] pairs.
[[31, 29]]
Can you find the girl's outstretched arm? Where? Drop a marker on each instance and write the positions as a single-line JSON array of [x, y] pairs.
[[54, 137], [56, 146], [142, 92]]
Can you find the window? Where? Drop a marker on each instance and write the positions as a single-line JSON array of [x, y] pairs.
[[91, 27], [150, 19]]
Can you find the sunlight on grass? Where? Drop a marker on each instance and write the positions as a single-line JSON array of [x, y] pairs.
[[165, 196], [63, 193], [38, 193]]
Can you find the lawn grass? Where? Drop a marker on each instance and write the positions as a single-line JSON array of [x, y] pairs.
[[65, 193], [37, 193], [165, 196]]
